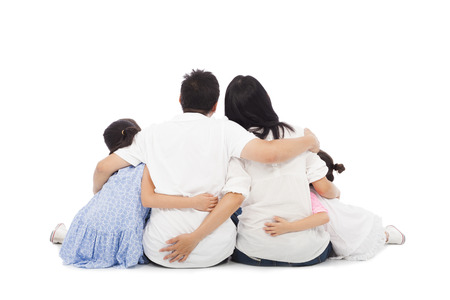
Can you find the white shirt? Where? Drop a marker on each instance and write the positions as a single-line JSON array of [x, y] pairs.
[[188, 156], [281, 190]]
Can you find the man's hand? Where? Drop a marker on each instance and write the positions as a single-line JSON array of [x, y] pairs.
[[316, 147], [181, 247]]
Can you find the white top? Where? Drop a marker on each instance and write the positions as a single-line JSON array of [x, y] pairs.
[[188, 156], [355, 233], [281, 190]]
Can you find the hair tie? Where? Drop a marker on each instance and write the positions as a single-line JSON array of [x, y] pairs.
[[123, 132]]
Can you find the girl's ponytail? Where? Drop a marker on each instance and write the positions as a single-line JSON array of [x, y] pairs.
[[120, 134], [330, 165], [128, 135], [339, 168]]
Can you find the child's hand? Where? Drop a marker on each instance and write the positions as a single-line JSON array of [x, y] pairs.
[[205, 202], [279, 226]]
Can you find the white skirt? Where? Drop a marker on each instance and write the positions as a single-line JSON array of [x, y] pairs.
[[355, 233]]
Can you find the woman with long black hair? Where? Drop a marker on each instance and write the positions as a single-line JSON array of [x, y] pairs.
[[277, 190]]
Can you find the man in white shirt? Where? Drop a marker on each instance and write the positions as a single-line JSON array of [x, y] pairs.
[[188, 156]]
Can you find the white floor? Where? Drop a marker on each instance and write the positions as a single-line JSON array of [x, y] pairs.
[[396, 273], [413, 269]]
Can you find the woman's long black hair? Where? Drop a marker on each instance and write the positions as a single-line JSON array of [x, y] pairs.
[[120, 134], [248, 104]]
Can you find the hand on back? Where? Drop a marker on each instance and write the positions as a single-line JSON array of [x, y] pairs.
[[316, 147], [205, 202]]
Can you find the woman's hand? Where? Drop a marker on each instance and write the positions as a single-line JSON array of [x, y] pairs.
[[316, 145], [180, 248], [279, 226], [205, 202]]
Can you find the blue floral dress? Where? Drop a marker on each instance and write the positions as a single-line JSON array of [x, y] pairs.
[[108, 231]]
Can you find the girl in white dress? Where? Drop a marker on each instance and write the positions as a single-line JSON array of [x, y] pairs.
[[355, 233]]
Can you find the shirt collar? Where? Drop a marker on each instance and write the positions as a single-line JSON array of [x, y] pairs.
[[190, 116]]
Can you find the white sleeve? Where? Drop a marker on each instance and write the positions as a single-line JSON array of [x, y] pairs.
[[135, 153], [238, 180], [236, 138], [315, 167]]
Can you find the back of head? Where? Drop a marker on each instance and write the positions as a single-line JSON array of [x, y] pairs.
[[248, 104], [199, 92], [330, 165], [120, 134]]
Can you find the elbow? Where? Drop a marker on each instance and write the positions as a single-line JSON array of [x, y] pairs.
[[319, 189], [147, 198], [236, 199], [101, 168], [326, 192], [326, 218], [99, 173], [273, 158], [145, 201], [240, 199], [272, 155], [322, 218], [326, 188]]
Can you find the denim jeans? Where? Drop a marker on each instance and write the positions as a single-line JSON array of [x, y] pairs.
[[235, 215], [242, 258]]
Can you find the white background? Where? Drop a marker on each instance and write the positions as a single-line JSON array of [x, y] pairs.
[[370, 78]]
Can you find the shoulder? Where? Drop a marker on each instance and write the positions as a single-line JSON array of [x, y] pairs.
[[298, 132], [233, 127], [131, 171], [146, 133], [149, 129], [227, 122]]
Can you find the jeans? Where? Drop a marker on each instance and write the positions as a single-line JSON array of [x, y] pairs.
[[242, 258], [235, 215]]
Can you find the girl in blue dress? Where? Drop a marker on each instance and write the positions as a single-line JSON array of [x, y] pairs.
[[108, 231]]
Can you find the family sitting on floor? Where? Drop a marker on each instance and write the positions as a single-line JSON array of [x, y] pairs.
[[194, 191]]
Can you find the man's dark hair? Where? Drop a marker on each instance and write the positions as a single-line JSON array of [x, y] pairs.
[[199, 92]]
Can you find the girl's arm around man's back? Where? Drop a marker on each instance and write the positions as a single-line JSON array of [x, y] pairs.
[[202, 202], [326, 188], [105, 168]]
